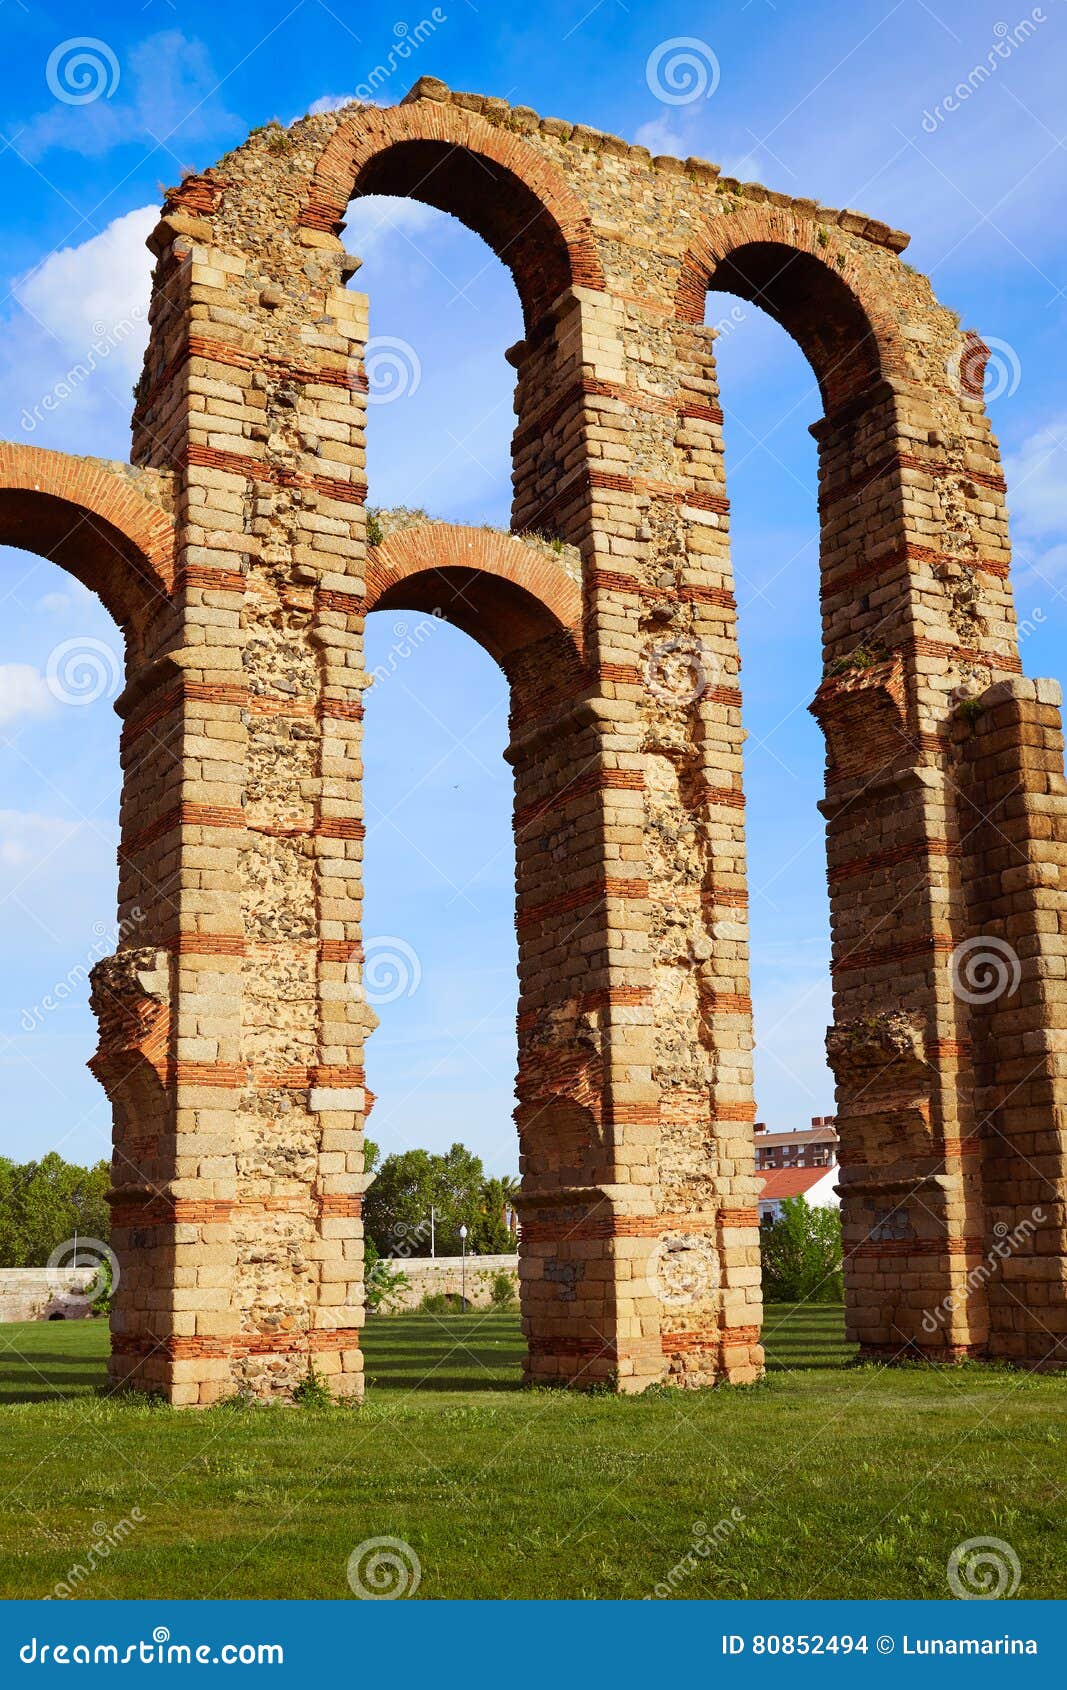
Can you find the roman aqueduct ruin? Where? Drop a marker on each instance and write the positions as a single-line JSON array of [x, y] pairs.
[[233, 554]]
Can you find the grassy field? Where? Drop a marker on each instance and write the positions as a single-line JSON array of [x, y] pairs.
[[828, 1480]]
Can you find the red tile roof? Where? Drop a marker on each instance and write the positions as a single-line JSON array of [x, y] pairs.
[[790, 1182]]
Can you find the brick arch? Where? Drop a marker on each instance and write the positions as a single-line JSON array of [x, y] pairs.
[[501, 590], [93, 521], [807, 277], [489, 178]]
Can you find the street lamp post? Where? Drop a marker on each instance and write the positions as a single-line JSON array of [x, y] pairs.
[[463, 1269]]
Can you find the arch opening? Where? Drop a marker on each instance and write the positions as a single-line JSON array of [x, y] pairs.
[[490, 200], [815, 306], [442, 308], [450, 157], [767, 390], [448, 839]]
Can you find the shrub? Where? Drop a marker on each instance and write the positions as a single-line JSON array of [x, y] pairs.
[[382, 1282], [802, 1255], [502, 1290], [384, 1285], [441, 1302], [313, 1391]]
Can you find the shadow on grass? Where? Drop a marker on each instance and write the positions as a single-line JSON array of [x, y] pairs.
[[806, 1338], [481, 1351]]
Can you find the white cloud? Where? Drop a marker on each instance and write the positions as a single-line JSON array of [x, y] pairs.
[[166, 94], [1037, 482], [23, 692], [93, 299], [661, 136], [27, 837], [334, 102], [746, 167], [377, 221]]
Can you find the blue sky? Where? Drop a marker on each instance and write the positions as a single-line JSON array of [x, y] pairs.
[[845, 104]]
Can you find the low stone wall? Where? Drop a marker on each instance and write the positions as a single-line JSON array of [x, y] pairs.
[[427, 1276], [40, 1293]]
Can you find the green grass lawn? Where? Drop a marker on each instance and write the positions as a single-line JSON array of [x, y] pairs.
[[832, 1480]]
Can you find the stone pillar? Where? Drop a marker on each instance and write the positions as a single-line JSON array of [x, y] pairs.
[[664, 1212], [249, 1218], [587, 1102], [913, 606], [1010, 977]]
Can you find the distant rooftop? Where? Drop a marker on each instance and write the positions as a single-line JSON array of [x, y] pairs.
[[823, 1130], [779, 1183]]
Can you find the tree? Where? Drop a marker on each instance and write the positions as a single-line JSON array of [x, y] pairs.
[[45, 1203], [802, 1258], [491, 1233], [408, 1185]]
